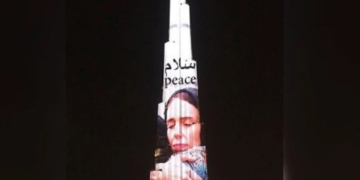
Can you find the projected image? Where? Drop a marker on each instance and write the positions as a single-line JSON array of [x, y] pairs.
[[181, 152]]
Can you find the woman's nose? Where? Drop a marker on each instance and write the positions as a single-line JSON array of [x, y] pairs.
[[177, 131]]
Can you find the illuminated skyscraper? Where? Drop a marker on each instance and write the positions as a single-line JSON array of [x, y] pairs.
[[181, 148]]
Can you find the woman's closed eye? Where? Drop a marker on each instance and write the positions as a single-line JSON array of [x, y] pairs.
[[170, 124], [188, 122], [185, 122]]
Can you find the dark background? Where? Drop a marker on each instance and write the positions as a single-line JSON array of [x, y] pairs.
[[83, 83]]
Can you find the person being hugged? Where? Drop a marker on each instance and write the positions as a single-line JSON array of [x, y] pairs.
[[188, 159]]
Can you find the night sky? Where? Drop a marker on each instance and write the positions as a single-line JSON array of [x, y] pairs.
[[115, 67], [277, 85]]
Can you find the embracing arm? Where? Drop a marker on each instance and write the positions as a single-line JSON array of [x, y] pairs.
[[175, 169]]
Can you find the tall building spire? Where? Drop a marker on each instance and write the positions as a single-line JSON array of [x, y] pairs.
[[180, 147], [178, 62], [179, 28]]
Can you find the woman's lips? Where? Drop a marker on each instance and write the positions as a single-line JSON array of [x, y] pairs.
[[180, 147]]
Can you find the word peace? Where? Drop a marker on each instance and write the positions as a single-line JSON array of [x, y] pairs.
[[180, 81]]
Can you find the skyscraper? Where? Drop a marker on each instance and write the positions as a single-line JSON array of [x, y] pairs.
[[180, 151]]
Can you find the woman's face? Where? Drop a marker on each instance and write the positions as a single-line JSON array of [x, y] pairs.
[[183, 125]]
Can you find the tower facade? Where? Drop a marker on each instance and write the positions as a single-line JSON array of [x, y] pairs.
[[180, 148]]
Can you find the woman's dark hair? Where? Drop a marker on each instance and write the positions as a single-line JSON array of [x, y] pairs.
[[191, 96], [162, 143]]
